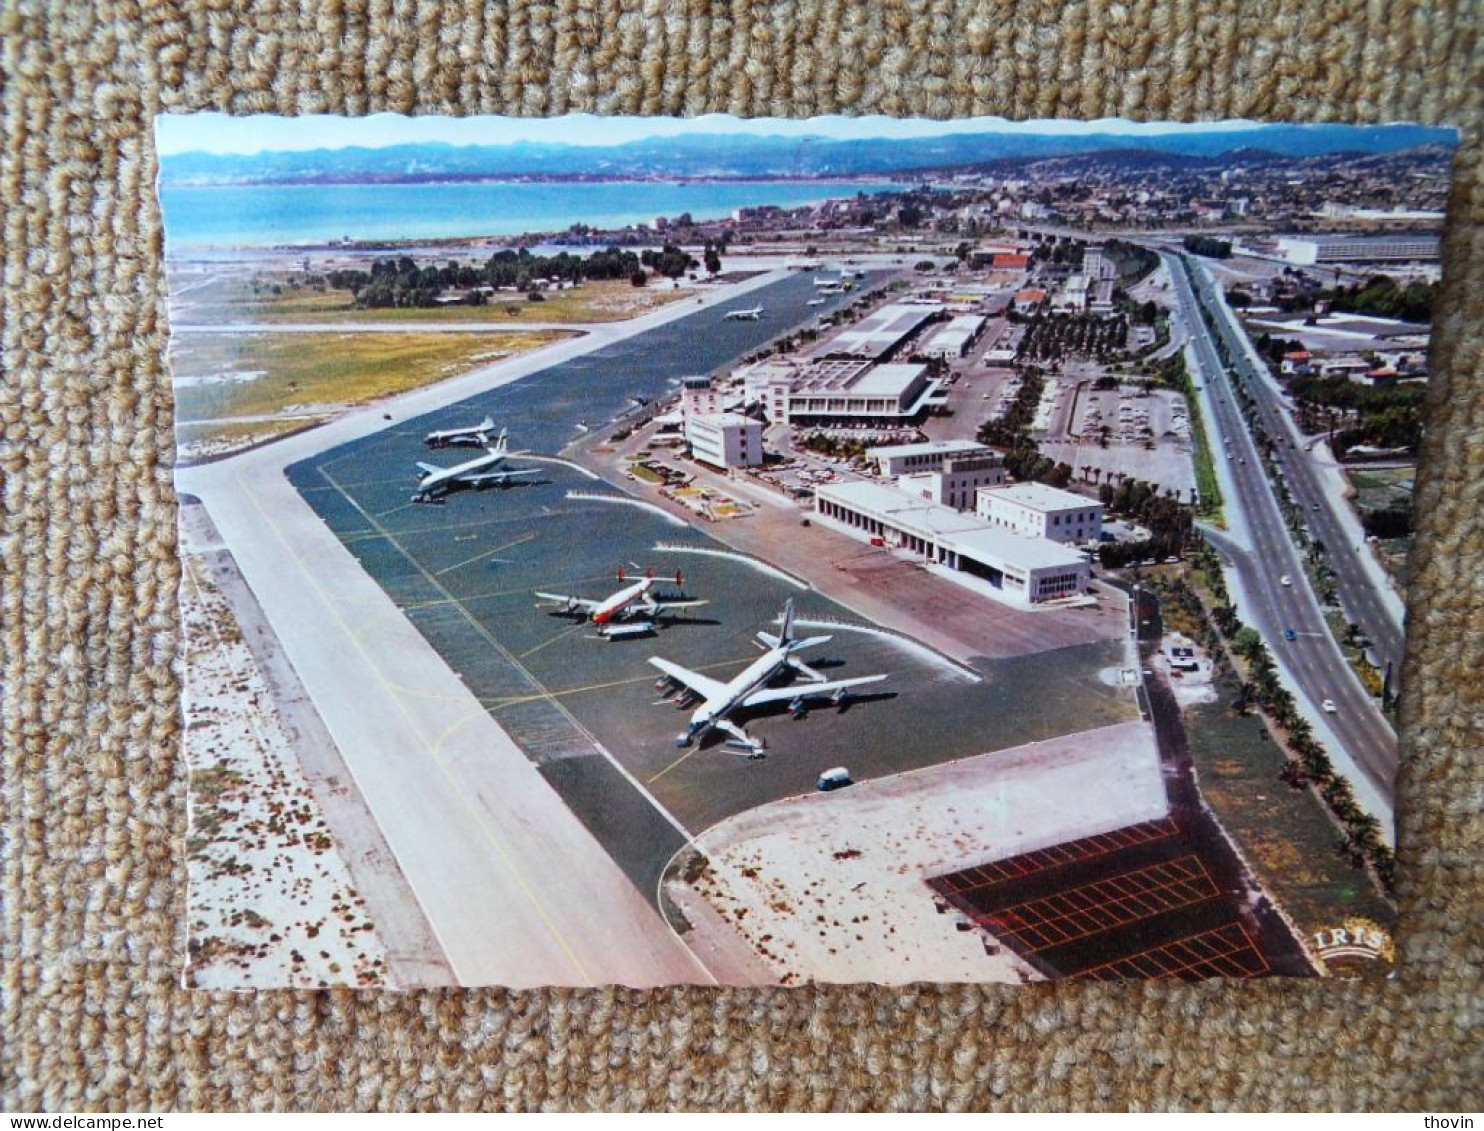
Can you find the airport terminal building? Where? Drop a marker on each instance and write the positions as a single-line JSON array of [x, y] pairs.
[[725, 439], [1039, 511], [1030, 570]]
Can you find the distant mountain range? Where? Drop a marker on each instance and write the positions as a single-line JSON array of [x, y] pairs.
[[747, 156]]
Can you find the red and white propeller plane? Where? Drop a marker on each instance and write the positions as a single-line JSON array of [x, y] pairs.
[[614, 614]]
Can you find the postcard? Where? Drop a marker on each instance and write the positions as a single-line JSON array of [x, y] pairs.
[[728, 551]]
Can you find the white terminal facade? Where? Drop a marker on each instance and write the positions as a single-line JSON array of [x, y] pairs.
[[1039, 511], [725, 439], [907, 459], [1310, 250], [1027, 569]]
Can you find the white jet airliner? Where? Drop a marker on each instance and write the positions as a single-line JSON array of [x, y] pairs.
[[436, 481], [750, 687], [751, 314]]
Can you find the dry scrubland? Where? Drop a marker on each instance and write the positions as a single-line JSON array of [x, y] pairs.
[[271, 900], [235, 390]]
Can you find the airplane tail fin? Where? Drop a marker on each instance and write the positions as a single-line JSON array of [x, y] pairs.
[[786, 633], [487, 424], [501, 444]]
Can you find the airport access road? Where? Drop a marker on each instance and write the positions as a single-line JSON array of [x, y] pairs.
[[474, 827], [1364, 591], [1262, 552]]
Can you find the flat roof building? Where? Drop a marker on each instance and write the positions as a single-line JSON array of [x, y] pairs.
[[1039, 511], [879, 334], [725, 439], [841, 391], [905, 459], [1311, 250], [1028, 569], [957, 482], [954, 338]]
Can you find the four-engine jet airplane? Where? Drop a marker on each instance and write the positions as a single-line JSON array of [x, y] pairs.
[[474, 436], [613, 614], [750, 687], [478, 472], [752, 314]]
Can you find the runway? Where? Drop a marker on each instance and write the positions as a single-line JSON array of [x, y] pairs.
[[472, 824]]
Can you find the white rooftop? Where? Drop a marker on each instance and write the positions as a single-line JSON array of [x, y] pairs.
[[929, 447], [886, 380], [1038, 496], [910, 511], [961, 531], [725, 419], [987, 542]]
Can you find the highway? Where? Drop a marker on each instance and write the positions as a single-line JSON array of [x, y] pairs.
[[1261, 552], [1358, 578]]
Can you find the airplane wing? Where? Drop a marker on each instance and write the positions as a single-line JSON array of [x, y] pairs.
[[428, 468], [702, 685], [575, 602], [806, 691], [495, 476], [805, 670], [666, 606]]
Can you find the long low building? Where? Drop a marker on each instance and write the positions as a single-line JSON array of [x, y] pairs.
[[954, 338], [876, 336], [930, 455], [835, 391], [1028, 569]]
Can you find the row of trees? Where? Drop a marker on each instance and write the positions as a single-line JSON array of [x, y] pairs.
[[1052, 337], [1168, 521], [1361, 840], [1385, 297], [1208, 246], [402, 282]]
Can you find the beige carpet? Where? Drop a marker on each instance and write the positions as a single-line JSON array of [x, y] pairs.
[[93, 798]]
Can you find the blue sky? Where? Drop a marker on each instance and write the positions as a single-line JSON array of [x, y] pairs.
[[221, 133]]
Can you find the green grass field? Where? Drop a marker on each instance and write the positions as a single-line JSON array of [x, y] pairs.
[[271, 298], [236, 390]]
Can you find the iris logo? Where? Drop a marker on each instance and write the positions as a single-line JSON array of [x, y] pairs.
[[1358, 938]]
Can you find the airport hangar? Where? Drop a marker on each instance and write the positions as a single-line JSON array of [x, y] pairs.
[[1030, 569]]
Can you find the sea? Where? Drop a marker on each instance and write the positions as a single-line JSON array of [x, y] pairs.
[[272, 215]]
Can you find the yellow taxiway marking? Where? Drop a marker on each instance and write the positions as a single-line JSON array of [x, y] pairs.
[[673, 764], [566, 632], [522, 540], [437, 756]]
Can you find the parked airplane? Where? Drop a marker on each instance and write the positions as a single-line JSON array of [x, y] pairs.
[[476, 435], [613, 614], [752, 314], [436, 481], [750, 688]]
